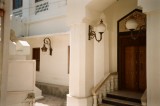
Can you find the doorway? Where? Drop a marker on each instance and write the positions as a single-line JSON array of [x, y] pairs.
[[132, 62]]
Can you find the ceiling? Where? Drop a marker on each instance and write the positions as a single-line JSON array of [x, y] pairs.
[[100, 5]]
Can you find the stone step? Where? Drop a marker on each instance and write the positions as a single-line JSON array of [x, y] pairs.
[[126, 95], [105, 105], [118, 102]]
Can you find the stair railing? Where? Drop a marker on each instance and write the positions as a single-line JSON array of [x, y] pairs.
[[107, 84]]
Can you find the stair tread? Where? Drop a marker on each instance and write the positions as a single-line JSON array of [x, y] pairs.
[[105, 105], [122, 101], [128, 94]]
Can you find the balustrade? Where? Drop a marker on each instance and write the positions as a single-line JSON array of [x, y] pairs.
[[108, 84]]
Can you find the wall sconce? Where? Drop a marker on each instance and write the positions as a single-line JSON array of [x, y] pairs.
[[47, 41], [132, 25], [100, 28]]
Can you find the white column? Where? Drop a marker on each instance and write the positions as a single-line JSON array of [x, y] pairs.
[[153, 58], [5, 51], [81, 67], [152, 9]]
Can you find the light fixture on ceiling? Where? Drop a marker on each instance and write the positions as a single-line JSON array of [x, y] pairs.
[[47, 41], [100, 28], [132, 25]]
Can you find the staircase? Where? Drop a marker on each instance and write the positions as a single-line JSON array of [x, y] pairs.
[[122, 98]]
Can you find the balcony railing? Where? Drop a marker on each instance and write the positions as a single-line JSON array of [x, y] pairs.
[[18, 12], [41, 6]]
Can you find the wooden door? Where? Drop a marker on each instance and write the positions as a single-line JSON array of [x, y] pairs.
[[135, 68], [132, 63], [36, 56], [142, 68], [130, 68]]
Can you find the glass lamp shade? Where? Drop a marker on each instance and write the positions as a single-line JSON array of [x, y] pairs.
[[131, 24], [101, 27], [44, 49]]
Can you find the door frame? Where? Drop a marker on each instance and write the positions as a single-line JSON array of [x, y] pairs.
[[120, 34]]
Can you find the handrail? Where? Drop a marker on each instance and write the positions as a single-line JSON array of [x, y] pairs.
[[99, 85], [68, 95]]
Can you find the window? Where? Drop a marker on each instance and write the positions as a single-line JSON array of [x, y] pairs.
[[36, 56], [38, 1], [17, 4]]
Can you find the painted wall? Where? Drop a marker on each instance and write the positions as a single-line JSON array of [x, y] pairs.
[[52, 20], [53, 25], [21, 82], [153, 59], [53, 69], [113, 14], [152, 9]]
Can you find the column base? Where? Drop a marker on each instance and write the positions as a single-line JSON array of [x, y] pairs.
[[78, 101]]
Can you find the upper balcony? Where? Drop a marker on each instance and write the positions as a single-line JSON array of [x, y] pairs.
[[36, 10]]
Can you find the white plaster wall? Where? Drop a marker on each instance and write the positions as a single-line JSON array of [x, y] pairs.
[[53, 25], [113, 14], [149, 5], [98, 61], [101, 57], [153, 59], [52, 20], [53, 69], [21, 78], [21, 81], [152, 9]]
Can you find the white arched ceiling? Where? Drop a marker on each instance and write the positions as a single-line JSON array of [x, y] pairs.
[[95, 8], [100, 5]]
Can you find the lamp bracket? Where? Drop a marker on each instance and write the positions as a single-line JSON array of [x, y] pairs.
[[91, 33]]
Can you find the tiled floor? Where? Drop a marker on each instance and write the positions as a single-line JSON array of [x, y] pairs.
[[51, 101]]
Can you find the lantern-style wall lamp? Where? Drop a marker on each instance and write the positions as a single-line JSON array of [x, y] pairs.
[[132, 25], [100, 28], [47, 41]]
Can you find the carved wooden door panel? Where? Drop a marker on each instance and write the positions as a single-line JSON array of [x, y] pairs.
[[131, 63], [135, 68], [130, 68], [142, 68]]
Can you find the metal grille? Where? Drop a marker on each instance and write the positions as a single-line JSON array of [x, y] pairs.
[[42, 7], [18, 13]]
